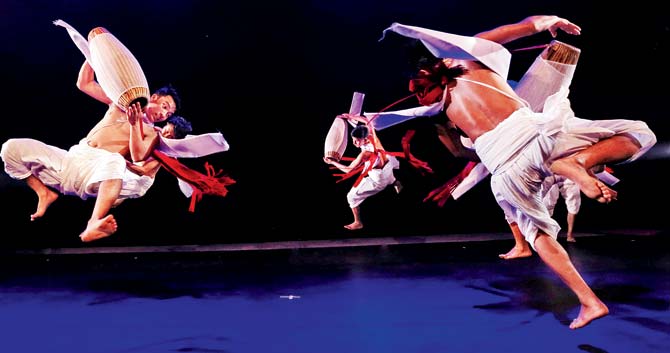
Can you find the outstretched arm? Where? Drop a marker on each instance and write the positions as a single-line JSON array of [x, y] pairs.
[[348, 168], [529, 26], [86, 83]]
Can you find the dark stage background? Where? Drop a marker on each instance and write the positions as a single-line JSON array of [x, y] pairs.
[[271, 76]]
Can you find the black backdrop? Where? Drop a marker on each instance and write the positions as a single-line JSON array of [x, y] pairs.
[[271, 76]]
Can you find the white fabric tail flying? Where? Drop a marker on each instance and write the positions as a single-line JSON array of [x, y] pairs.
[[79, 40]]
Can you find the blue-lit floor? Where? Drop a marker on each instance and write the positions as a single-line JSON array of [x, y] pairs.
[[442, 297]]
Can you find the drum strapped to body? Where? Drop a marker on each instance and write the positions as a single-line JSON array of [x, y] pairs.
[[337, 137], [118, 72], [336, 140], [552, 69]]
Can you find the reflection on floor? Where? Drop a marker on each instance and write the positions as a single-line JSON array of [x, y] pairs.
[[413, 294]]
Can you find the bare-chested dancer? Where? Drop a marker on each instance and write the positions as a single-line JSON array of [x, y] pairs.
[[176, 127], [520, 147], [96, 166]]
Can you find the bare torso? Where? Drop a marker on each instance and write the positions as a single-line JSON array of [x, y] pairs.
[[112, 133], [477, 109]]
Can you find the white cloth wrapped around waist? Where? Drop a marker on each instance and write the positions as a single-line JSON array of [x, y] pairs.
[[562, 132], [85, 167], [375, 181], [499, 145]]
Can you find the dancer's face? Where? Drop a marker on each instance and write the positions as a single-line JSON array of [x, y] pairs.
[[168, 131], [427, 91], [358, 142], [160, 107]]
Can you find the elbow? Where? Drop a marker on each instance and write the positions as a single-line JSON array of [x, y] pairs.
[[137, 156], [140, 158]]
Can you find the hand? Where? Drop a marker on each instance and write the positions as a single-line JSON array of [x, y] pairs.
[[565, 25], [134, 113], [328, 160], [553, 24], [358, 118]]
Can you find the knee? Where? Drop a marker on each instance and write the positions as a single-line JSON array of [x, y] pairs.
[[9, 148], [354, 200]]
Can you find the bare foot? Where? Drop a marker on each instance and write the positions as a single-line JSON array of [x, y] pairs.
[[591, 186], [588, 314], [571, 239], [99, 229], [43, 202], [354, 226], [516, 253]]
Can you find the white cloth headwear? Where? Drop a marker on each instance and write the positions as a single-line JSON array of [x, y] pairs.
[[447, 45]]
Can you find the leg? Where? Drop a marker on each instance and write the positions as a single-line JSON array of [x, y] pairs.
[[38, 164], [578, 166], [357, 224], [557, 259], [101, 224], [521, 248], [571, 225], [45, 196]]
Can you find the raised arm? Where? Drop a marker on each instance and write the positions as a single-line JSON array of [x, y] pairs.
[[143, 139], [529, 26], [86, 83]]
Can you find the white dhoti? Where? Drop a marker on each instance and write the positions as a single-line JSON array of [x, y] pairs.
[[375, 181], [555, 186], [519, 151], [78, 171], [85, 167], [24, 157]]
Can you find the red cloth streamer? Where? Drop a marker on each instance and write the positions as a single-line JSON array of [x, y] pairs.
[[415, 162], [212, 183], [442, 193]]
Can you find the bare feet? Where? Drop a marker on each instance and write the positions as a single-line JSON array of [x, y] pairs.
[[588, 314], [43, 202], [516, 253], [99, 229], [571, 239], [354, 226], [593, 188]]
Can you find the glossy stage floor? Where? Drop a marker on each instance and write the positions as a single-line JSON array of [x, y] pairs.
[[404, 294]]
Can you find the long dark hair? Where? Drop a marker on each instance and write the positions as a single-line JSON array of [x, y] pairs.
[[182, 127]]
